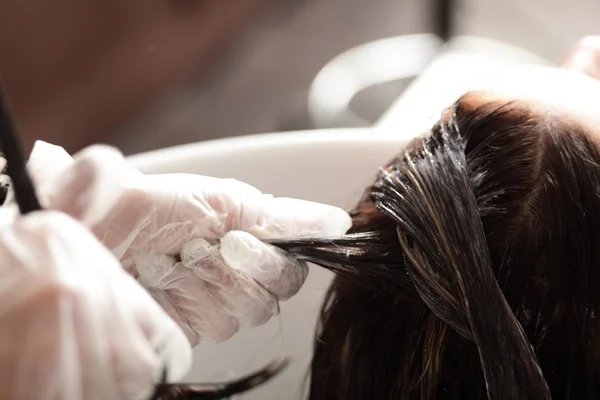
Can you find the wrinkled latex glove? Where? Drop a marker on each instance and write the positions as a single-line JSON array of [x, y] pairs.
[[193, 241], [585, 57], [73, 324]]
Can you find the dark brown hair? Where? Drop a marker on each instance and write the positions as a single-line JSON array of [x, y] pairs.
[[472, 269], [217, 391]]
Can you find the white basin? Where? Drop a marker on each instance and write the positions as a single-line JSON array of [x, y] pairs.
[[331, 166]]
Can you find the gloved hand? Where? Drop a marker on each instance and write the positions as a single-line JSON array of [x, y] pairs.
[[193, 241], [585, 57], [73, 324]]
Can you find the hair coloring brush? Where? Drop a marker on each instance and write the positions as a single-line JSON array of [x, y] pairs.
[[15, 160]]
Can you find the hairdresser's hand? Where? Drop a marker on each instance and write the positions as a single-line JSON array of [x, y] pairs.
[[166, 230], [585, 57], [73, 324]]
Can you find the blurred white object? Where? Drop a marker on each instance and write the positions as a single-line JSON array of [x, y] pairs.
[[385, 60], [328, 166], [585, 57], [443, 72], [73, 324], [462, 65], [166, 230]]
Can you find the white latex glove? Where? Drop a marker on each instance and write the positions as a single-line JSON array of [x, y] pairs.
[[585, 57], [73, 324], [166, 231]]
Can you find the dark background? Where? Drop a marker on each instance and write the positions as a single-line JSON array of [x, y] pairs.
[[254, 77]]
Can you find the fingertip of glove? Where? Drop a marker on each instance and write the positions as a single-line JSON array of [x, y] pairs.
[[46, 161], [43, 149], [279, 273], [336, 222], [238, 248], [295, 218], [99, 153], [94, 184]]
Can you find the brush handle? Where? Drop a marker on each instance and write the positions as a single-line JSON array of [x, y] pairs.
[[15, 160]]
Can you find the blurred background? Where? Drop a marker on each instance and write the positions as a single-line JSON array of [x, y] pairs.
[[146, 74]]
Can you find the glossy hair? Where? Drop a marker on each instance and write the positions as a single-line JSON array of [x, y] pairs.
[[472, 269], [217, 391]]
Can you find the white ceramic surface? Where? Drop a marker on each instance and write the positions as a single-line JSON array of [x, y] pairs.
[[332, 166], [461, 66]]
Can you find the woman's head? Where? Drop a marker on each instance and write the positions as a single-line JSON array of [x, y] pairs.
[[474, 269], [553, 92]]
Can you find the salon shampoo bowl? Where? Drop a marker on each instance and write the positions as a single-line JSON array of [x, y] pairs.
[[331, 166]]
